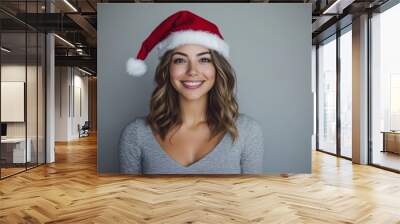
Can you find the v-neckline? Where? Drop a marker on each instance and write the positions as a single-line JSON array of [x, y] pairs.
[[176, 162]]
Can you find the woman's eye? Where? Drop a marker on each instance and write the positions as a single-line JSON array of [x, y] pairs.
[[178, 60], [205, 60]]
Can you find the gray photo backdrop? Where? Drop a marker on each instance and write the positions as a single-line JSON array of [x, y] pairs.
[[270, 50]]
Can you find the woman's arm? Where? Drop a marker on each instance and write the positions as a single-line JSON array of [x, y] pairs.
[[129, 151], [253, 152]]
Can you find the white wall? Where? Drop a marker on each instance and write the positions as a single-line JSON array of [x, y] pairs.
[[61, 103], [79, 117], [16, 72], [70, 83]]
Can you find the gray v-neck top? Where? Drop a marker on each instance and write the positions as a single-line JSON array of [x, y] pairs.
[[140, 153]]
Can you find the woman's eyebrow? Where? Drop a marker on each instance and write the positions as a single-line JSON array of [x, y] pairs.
[[199, 54], [202, 53], [180, 53]]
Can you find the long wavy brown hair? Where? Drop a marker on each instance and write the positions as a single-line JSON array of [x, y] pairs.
[[222, 109]]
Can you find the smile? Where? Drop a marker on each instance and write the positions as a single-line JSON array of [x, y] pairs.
[[192, 84]]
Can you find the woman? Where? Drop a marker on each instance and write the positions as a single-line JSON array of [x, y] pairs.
[[194, 126]]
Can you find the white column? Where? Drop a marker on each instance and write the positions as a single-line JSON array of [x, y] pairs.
[[360, 90], [50, 93]]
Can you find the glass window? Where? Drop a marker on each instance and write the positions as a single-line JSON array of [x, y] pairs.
[[327, 95], [385, 87], [346, 93]]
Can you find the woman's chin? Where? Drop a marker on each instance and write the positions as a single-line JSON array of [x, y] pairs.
[[192, 97]]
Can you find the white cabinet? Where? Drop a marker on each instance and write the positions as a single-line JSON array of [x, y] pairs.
[[18, 149]]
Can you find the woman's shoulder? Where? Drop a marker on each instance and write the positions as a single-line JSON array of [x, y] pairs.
[[137, 124], [246, 122]]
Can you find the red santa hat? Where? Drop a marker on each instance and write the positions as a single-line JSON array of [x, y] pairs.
[[183, 27]]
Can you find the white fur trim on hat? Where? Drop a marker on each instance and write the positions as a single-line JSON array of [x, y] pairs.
[[136, 67], [203, 38]]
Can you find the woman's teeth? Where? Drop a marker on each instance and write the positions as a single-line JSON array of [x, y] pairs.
[[192, 84]]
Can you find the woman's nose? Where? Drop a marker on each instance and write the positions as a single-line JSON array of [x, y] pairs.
[[192, 69]]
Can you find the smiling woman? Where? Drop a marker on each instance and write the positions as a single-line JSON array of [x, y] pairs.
[[192, 72], [194, 125]]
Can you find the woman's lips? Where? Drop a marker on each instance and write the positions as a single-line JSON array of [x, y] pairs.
[[192, 84]]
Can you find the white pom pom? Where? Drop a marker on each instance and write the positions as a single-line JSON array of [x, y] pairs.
[[136, 67]]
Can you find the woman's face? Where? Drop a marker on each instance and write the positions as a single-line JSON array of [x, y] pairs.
[[192, 72]]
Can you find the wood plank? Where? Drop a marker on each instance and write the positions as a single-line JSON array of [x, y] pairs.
[[71, 191]]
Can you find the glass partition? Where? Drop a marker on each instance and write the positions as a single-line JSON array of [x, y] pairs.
[[14, 153], [22, 77], [327, 95], [31, 100]]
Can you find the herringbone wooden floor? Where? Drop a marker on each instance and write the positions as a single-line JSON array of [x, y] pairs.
[[70, 191]]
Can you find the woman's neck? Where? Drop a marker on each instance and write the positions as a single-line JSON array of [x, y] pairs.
[[193, 112]]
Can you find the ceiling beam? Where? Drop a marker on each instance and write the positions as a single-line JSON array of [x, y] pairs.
[[86, 26], [337, 6], [85, 61]]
